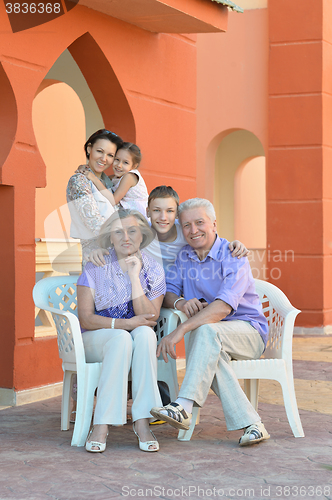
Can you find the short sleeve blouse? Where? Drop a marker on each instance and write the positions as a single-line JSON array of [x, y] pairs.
[[113, 287]]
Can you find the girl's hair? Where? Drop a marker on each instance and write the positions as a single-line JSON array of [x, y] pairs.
[[134, 151], [164, 192], [199, 203], [103, 134], [105, 230]]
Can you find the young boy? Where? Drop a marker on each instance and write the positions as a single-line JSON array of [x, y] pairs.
[[162, 211]]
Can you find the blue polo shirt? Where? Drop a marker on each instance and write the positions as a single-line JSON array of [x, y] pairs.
[[218, 276]]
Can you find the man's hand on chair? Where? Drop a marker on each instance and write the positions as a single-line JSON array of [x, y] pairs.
[[167, 344]]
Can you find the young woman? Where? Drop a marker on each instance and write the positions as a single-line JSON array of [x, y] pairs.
[[88, 207]]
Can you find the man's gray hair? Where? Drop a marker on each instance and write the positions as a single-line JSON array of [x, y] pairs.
[[199, 203]]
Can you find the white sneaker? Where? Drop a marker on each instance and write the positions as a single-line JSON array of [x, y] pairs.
[[254, 434]]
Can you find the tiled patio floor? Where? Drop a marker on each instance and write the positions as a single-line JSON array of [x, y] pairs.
[[38, 463]]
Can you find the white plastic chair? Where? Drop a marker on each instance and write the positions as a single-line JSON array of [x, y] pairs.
[[182, 434], [276, 362], [57, 294], [167, 322]]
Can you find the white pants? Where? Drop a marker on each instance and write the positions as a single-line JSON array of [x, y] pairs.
[[210, 349], [121, 351]]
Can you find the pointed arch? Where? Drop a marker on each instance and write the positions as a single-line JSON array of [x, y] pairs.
[[8, 121], [107, 91], [235, 146], [103, 100]]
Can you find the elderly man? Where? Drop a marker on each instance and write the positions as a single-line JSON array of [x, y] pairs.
[[217, 293]]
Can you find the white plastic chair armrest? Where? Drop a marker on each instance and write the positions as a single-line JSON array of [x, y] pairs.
[[76, 332]]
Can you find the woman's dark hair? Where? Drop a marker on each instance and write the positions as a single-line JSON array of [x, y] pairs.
[[103, 134], [105, 231], [134, 151]]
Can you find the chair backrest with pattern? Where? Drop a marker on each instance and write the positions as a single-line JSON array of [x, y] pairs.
[[280, 315], [59, 293], [166, 323]]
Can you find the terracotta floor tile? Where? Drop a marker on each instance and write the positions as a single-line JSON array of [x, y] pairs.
[[38, 463]]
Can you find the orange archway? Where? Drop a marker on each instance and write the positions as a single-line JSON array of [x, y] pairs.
[[233, 148], [106, 89]]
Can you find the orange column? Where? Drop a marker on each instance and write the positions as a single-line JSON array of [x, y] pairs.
[[25, 361], [7, 290], [299, 183]]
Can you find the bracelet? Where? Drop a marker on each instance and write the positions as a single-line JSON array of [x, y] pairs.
[[177, 300], [112, 322]]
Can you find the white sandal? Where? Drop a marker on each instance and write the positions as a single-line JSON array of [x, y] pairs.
[[90, 444], [144, 446]]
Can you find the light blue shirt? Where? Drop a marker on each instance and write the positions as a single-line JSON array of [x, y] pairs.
[[165, 252], [218, 276]]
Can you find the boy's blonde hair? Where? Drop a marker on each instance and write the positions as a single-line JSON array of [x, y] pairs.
[[164, 192]]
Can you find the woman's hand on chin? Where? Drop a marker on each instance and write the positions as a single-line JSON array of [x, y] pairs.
[[134, 265], [142, 320]]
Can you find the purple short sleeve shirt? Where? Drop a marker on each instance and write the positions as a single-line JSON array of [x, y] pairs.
[[219, 276], [112, 287]]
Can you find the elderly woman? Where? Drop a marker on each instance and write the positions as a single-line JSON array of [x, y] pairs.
[[117, 306]]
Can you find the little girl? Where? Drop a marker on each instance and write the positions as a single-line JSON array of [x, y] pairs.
[[129, 189]]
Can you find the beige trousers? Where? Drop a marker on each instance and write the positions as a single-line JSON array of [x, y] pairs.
[[210, 349], [121, 351]]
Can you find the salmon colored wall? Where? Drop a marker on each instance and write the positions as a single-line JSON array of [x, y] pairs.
[[250, 203], [232, 117], [299, 193], [254, 4], [152, 75], [269, 76], [8, 123], [232, 88], [59, 126], [234, 149], [7, 290], [65, 69]]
